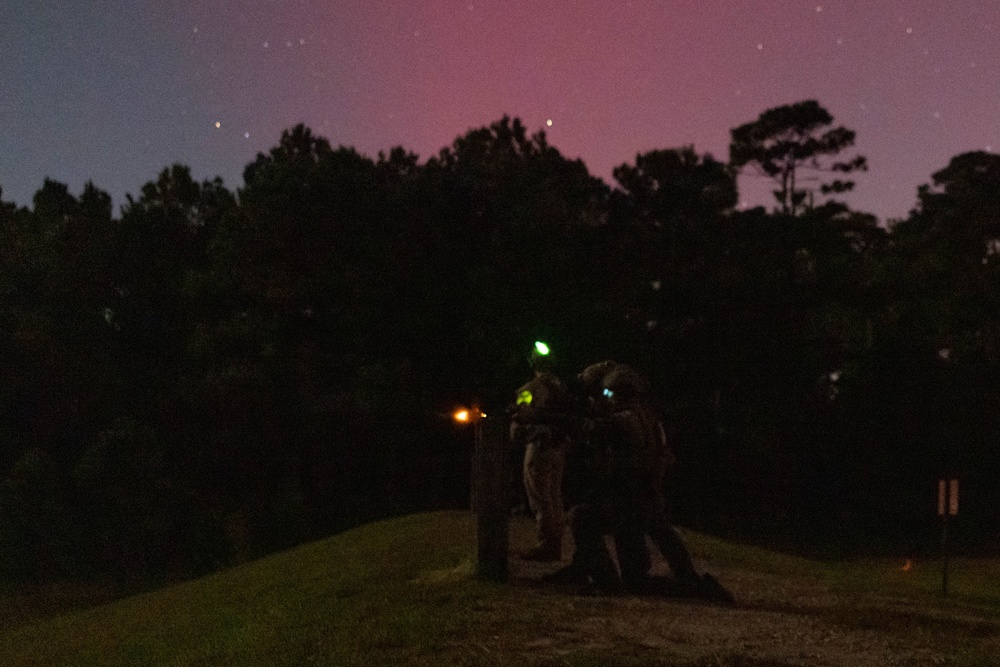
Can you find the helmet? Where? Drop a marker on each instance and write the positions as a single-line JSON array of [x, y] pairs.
[[625, 379], [591, 379], [610, 378]]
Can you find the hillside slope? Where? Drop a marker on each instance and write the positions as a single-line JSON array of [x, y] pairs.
[[401, 592]]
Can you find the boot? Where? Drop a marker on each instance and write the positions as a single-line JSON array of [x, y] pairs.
[[710, 589], [543, 553], [571, 574]]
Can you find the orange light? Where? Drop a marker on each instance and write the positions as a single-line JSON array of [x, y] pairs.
[[467, 415], [907, 566]]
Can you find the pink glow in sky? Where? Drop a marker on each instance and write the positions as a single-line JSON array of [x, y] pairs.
[[115, 96]]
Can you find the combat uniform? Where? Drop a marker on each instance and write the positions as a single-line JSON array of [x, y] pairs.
[[538, 423], [631, 458]]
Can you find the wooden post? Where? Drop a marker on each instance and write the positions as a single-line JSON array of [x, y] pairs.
[[477, 446], [489, 495]]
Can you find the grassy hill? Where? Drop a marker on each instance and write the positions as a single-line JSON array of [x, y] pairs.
[[401, 592]]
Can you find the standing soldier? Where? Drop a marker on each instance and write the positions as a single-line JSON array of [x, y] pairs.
[[539, 424], [630, 502]]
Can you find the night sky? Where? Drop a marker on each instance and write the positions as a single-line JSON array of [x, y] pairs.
[[113, 91]]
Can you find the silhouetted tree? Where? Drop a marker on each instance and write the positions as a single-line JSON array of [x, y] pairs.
[[673, 186], [514, 219], [943, 277], [216, 374], [791, 145]]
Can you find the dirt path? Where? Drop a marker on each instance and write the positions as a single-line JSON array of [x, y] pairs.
[[778, 621]]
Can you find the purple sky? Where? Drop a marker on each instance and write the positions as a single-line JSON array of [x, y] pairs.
[[114, 91]]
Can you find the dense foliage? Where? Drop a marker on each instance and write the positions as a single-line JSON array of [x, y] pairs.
[[212, 374]]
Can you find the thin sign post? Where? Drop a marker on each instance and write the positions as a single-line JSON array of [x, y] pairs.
[[947, 506]]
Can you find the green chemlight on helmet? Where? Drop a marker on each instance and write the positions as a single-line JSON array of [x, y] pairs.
[[524, 398], [541, 348]]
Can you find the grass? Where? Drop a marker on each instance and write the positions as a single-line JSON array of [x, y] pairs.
[[402, 592], [379, 587]]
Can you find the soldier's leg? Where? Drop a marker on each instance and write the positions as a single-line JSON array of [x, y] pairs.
[[543, 470], [630, 541], [529, 477], [674, 551], [653, 507], [556, 475], [686, 581], [591, 559], [633, 556]]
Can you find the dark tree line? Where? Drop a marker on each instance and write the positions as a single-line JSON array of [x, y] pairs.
[[212, 375]]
